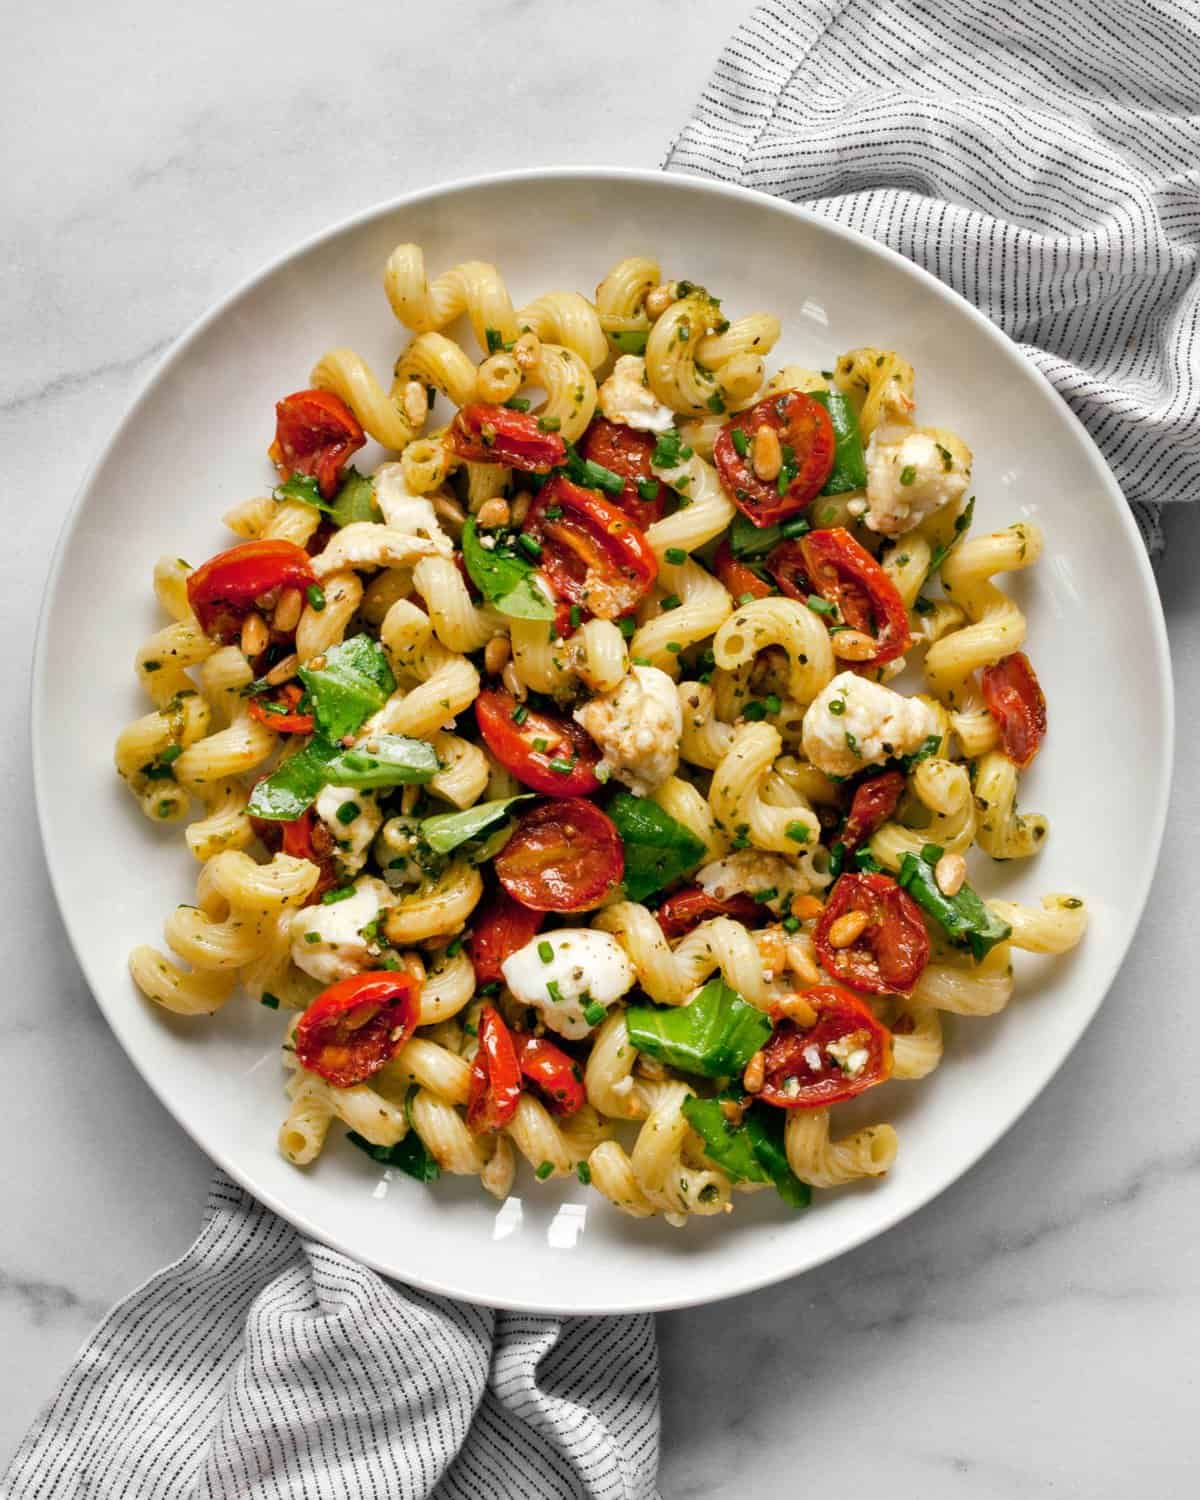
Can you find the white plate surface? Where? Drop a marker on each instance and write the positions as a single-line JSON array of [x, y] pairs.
[[194, 443]]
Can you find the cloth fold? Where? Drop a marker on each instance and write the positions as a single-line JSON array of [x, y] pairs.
[[1043, 160], [262, 1365]]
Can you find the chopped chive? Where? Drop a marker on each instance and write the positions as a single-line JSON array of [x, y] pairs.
[[520, 713], [348, 812], [594, 1013], [648, 490], [794, 526], [269, 1000], [797, 832], [553, 991], [674, 647], [791, 924], [517, 403], [740, 441], [627, 625], [837, 707], [554, 512], [455, 948], [754, 711], [818, 605], [563, 767], [672, 601], [716, 403], [316, 596], [676, 555], [763, 897], [312, 937], [541, 744], [342, 893], [545, 952], [544, 1170], [576, 617], [583, 1172], [529, 544], [549, 424], [908, 473]]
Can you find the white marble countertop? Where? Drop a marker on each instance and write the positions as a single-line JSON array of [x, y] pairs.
[[1031, 1332]]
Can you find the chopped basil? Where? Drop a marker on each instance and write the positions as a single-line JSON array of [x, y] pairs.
[[715, 1035], [352, 682], [658, 850], [751, 1151], [849, 470], [746, 540], [446, 831], [670, 450], [629, 340], [965, 918]]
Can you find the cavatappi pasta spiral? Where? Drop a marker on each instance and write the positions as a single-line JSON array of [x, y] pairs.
[[554, 777]]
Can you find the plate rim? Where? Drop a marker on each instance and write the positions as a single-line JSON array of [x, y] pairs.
[[1033, 1083]]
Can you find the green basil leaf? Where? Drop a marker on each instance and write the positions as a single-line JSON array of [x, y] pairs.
[[504, 578], [447, 831], [715, 1035], [305, 488], [764, 1125], [355, 501], [391, 760], [966, 919], [727, 1144], [658, 850], [353, 683], [411, 1155], [748, 540], [849, 470], [292, 787]]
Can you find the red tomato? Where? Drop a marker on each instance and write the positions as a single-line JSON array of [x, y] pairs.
[[305, 837], [627, 452], [738, 577], [351, 1030], [874, 802], [495, 1075], [279, 713], [687, 908], [793, 1082], [592, 553], [888, 957], [787, 567], [844, 572], [805, 428], [1015, 700], [531, 749], [557, 1076], [497, 435], [222, 590], [315, 433], [564, 856], [499, 927]]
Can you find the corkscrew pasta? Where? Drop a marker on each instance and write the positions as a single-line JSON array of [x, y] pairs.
[[555, 777]]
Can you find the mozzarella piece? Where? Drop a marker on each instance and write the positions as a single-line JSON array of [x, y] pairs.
[[328, 941], [626, 398], [584, 966], [353, 839], [401, 856], [637, 727], [405, 511], [749, 871], [911, 472], [854, 722]]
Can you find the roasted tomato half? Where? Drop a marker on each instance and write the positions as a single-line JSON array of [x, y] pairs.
[[545, 751], [844, 1051], [1015, 700], [738, 577], [279, 712], [832, 564], [495, 1075], [685, 909], [891, 947], [499, 927], [557, 1077], [592, 553], [498, 435], [315, 433], [222, 590], [356, 1025], [808, 446], [874, 802], [565, 855], [627, 452]]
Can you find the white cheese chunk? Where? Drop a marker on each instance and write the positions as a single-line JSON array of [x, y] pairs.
[[637, 727], [351, 833], [405, 511], [626, 398], [752, 872], [854, 722], [911, 472], [328, 940], [584, 966]]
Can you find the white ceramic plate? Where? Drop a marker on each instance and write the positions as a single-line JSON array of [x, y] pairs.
[[194, 443]]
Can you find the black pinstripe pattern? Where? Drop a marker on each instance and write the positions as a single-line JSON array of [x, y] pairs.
[[262, 1366], [1042, 159]]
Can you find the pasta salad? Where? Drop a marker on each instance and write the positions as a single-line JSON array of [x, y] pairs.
[[556, 777]]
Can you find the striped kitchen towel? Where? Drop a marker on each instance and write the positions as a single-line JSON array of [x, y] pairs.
[[263, 1366], [1042, 159]]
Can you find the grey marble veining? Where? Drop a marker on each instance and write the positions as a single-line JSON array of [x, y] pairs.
[[1033, 1331]]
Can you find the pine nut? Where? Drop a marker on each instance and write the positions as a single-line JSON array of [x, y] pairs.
[[732, 1111], [848, 928], [287, 611], [767, 454], [495, 655], [659, 298], [853, 645], [450, 511], [806, 907], [756, 1073], [950, 872], [771, 948], [493, 513], [527, 351], [255, 635], [498, 378], [513, 683], [416, 403], [802, 963], [266, 602], [796, 1008], [413, 965], [283, 671], [519, 508]]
